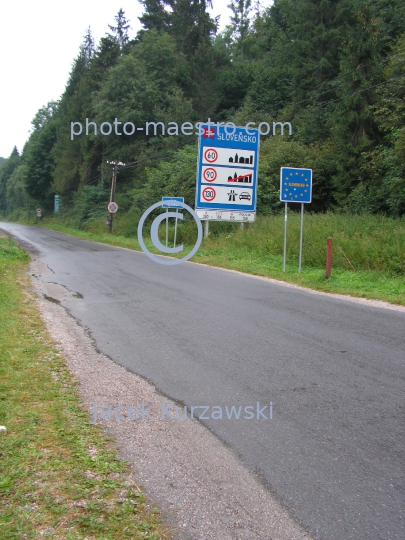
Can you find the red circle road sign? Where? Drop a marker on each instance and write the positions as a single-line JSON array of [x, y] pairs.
[[209, 174], [112, 207], [208, 194], [211, 155], [38, 210]]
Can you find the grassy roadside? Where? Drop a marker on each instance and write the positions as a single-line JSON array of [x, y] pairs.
[[60, 476], [366, 263]]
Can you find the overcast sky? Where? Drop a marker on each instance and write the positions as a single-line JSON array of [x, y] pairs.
[[38, 42]]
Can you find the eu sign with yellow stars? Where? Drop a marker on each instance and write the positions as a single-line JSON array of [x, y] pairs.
[[295, 185]]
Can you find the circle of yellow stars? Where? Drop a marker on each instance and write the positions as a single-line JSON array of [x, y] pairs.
[[290, 193]]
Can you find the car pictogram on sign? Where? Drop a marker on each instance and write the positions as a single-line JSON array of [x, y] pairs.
[[208, 194], [245, 195]]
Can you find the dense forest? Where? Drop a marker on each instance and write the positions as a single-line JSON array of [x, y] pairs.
[[334, 69]]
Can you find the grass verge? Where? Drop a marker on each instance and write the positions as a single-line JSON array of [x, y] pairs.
[[60, 476], [360, 260]]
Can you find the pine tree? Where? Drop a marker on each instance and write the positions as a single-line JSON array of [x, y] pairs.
[[240, 22], [192, 25], [155, 16], [120, 31]]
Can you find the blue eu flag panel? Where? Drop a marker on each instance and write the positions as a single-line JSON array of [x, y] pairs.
[[295, 185]]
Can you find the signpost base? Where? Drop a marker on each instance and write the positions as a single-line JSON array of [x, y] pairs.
[[285, 236], [301, 233]]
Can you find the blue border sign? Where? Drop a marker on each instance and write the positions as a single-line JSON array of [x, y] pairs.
[[227, 168], [172, 205], [295, 185]]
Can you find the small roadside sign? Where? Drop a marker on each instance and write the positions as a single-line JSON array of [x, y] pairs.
[[295, 185], [112, 207], [172, 205], [168, 205], [39, 212]]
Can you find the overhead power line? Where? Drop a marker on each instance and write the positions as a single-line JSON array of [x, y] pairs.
[[333, 89], [358, 91]]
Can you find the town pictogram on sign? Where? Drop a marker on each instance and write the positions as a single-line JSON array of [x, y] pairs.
[[247, 158], [227, 159]]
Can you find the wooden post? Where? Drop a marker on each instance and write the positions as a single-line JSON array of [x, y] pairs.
[[112, 196], [328, 257]]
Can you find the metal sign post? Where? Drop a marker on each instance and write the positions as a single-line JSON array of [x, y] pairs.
[[295, 186], [167, 227], [175, 230], [171, 205], [301, 232], [285, 236]]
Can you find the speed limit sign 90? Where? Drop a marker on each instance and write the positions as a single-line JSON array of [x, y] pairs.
[[209, 174]]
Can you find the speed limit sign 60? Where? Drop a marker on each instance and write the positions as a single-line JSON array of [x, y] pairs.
[[211, 155]]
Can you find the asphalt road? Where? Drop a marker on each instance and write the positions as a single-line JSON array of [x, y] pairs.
[[334, 370]]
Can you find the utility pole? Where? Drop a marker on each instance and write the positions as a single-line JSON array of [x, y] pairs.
[[112, 196], [112, 192]]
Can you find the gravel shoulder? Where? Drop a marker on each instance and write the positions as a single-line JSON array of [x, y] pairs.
[[200, 485]]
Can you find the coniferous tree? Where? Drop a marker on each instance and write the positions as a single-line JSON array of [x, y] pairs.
[[120, 31], [155, 16], [240, 20]]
